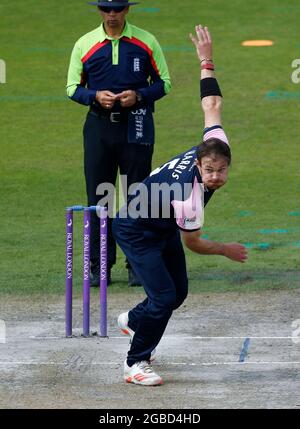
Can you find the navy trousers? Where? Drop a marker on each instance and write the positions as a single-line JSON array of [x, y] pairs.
[[159, 262]]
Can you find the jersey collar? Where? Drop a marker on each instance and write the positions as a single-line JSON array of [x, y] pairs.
[[127, 32]]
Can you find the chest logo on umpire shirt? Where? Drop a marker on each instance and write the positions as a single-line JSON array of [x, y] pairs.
[[136, 65]]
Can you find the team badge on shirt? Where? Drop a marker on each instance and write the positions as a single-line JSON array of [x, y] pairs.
[[136, 65]]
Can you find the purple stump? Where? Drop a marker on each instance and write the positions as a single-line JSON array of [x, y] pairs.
[[69, 271], [103, 272], [86, 271]]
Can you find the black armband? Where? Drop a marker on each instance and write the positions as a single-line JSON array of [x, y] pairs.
[[209, 86]]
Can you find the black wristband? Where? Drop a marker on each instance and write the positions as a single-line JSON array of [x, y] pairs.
[[209, 86]]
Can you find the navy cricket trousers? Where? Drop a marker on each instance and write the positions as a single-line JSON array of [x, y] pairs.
[[159, 262]]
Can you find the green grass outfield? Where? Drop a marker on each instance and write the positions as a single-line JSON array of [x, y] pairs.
[[41, 144]]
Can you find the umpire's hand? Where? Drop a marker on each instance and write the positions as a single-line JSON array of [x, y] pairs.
[[106, 99], [127, 98]]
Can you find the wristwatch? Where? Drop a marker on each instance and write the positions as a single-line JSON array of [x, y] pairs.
[[139, 96]]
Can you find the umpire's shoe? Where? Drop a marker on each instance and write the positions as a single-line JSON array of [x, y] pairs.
[[133, 279]]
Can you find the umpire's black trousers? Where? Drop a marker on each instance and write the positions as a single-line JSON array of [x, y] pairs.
[[105, 150]]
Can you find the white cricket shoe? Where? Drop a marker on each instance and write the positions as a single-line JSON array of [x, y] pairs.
[[141, 373], [123, 325]]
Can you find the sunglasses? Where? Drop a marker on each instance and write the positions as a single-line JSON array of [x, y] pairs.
[[107, 9]]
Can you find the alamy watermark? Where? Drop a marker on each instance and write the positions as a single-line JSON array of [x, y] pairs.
[[296, 333], [296, 73], [2, 71], [153, 200], [2, 332]]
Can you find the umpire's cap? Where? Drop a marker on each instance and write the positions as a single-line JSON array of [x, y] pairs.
[[113, 3]]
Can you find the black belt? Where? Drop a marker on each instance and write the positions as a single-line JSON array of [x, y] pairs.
[[114, 117]]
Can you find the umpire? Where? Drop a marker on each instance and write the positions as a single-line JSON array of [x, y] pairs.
[[119, 70]]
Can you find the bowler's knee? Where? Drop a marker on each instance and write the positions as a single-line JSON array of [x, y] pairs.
[[163, 306]]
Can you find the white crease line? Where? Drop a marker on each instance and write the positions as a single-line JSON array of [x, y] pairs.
[[225, 338], [66, 364], [178, 337], [232, 363]]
